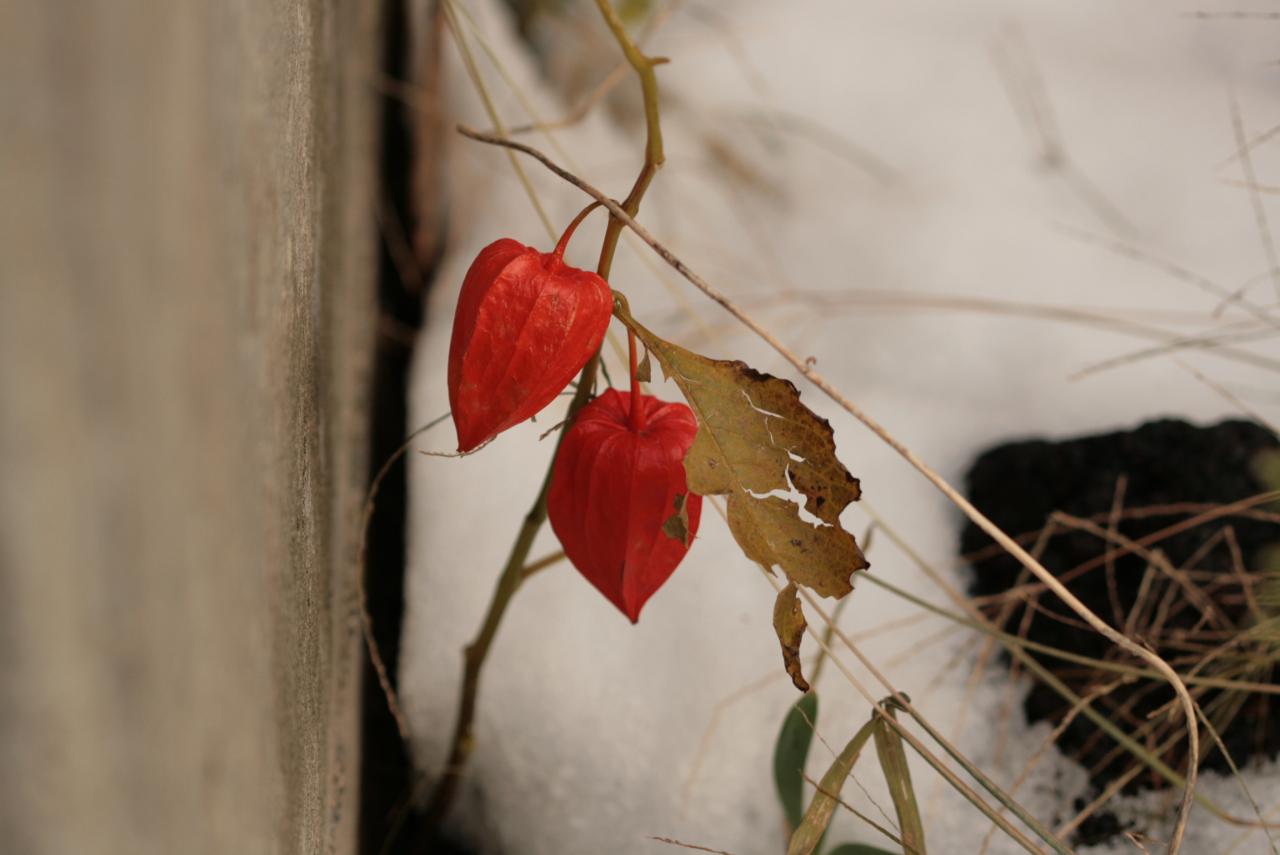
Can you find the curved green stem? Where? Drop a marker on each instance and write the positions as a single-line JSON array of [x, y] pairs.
[[654, 156], [637, 405], [513, 574], [567, 234]]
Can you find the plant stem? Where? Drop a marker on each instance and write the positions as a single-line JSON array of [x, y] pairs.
[[567, 234], [513, 574], [654, 156], [475, 653], [637, 405]]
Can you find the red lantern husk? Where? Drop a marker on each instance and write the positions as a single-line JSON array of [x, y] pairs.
[[526, 323], [615, 484]]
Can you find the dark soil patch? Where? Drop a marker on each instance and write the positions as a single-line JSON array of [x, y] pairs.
[[1169, 472], [1098, 828]]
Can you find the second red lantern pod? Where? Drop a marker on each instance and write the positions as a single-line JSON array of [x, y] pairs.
[[616, 483]]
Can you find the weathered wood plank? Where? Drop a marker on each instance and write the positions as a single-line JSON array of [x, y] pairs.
[[186, 321]]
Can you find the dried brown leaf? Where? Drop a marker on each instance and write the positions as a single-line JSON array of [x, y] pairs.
[[644, 371], [676, 526], [789, 623], [756, 440]]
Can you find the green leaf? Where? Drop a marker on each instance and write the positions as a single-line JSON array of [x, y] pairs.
[[790, 754], [893, 762], [814, 824], [789, 624], [856, 849]]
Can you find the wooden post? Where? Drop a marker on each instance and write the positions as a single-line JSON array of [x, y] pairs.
[[187, 308]]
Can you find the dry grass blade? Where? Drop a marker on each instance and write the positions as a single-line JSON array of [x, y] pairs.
[[1229, 396], [893, 763], [1244, 786], [805, 839], [950, 776], [1255, 199], [1234, 16], [903, 703], [1029, 97], [1257, 140], [473, 71], [1208, 343], [671, 841], [1173, 269], [1019, 648], [1046, 744]]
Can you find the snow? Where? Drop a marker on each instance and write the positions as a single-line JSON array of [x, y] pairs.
[[589, 729]]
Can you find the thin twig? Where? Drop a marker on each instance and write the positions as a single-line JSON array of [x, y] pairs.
[[583, 108], [1255, 199], [1257, 140], [1019, 647], [1113, 521], [1048, 742], [1136, 253], [1206, 343], [474, 72], [1210, 513], [1193, 594], [603, 88], [671, 841], [1234, 16], [1029, 97], [366, 621], [1231, 397]]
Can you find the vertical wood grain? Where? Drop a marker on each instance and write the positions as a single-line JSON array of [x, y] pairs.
[[186, 322]]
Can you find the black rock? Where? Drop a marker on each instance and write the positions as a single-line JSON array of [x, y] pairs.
[[1175, 471]]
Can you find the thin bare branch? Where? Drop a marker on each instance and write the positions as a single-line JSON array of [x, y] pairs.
[[1255, 198], [671, 841], [362, 561]]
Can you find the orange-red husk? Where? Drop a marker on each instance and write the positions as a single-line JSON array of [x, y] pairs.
[[525, 325], [614, 486]]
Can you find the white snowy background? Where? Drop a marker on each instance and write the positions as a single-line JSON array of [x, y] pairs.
[[881, 182]]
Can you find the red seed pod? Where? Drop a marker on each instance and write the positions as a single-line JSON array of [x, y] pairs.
[[526, 323], [615, 484]]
